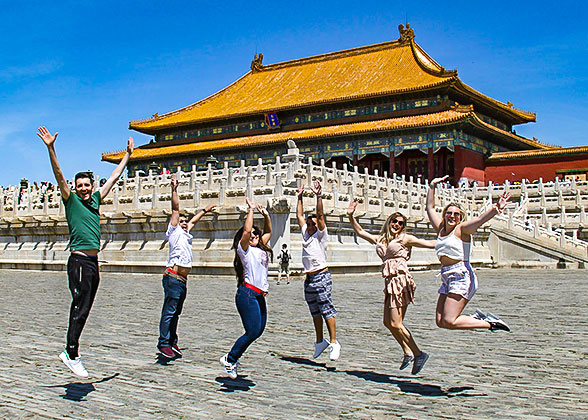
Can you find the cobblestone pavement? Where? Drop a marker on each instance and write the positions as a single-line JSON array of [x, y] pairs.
[[538, 371]]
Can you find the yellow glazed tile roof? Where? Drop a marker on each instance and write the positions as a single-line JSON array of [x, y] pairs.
[[391, 67], [434, 119], [547, 152]]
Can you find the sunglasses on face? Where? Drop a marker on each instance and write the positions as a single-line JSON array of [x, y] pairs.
[[453, 213], [397, 222]]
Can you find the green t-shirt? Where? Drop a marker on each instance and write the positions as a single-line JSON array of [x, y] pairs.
[[83, 221]]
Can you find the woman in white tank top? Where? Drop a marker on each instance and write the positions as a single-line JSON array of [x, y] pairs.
[[453, 249]]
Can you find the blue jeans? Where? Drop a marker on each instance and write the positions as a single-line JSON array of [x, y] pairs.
[[173, 302], [253, 311]]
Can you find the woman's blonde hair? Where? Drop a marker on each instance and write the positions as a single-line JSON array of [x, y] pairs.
[[462, 213], [386, 234]]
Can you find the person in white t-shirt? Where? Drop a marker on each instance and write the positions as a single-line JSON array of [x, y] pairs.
[[318, 283], [175, 277], [252, 256]]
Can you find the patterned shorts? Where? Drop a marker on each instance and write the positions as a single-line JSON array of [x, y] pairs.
[[317, 293], [459, 279]]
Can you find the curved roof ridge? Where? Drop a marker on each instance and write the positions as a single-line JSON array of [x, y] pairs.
[[427, 63], [365, 49]]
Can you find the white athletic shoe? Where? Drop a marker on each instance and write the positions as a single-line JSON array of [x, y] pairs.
[[334, 350], [319, 348], [75, 365], [230, 368]]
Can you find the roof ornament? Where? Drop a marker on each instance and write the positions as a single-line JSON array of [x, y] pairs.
[[509, 104], [156, 115], [256, 64], [406, 35]]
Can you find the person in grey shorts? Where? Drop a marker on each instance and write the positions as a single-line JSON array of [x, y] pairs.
[[318, 283]]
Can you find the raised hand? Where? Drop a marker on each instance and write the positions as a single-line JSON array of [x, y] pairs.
[[262, 210], [210, 207], [174, 182], [46, 136], [130, 145], [316, 188], [502, 201], [435, 181], [250, 203], [299, 191], [351, 208]]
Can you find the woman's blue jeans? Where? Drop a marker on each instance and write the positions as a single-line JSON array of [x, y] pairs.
[[173, 302], [253, 311]]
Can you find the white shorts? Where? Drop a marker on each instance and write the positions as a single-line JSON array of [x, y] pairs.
[[459, 279]]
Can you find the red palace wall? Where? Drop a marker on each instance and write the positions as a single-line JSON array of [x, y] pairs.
[[468, 164], [533, 168]]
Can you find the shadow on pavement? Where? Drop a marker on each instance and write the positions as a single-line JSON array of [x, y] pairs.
[[76, 391], [232, 385], [308, 362], [414, 387], [162, 360]]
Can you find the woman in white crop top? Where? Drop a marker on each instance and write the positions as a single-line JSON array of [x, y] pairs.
[[393, 246], [459, 282], [252, 256]]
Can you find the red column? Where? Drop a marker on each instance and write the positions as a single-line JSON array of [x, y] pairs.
[[392, 168], [355, 160], [430, 164], [457, 163]]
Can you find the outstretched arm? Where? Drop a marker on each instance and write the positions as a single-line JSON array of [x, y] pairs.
[[175, 202], [300, 207], [267, 225], [49, 141], [196, 218], [317, 189], [105, 189], [357, 227], [248, 226], [411, 240], [434, 218], [470, 226]]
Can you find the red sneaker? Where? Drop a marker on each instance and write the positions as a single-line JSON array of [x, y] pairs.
[[177, 350], [167, 352]]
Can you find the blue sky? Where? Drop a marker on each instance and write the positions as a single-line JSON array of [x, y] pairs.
[[86, 68]]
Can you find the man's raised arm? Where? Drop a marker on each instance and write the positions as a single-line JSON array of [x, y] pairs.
[[175, 202], [49, 141], [105, 189]]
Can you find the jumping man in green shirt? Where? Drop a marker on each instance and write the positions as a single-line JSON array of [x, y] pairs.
[[83, 220]]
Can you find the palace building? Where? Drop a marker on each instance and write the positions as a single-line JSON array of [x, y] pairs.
[[388, 107]]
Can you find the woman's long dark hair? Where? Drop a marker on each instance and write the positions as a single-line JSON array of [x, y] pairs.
[[237, 261]]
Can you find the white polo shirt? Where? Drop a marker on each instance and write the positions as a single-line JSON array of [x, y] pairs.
[[180, 246], [314, 250]]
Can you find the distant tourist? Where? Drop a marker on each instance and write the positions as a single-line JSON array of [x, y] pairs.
[[252, 256], [284, 259], [393, 246], [318, 283], [83, 220], [459, 282], [175, 276]]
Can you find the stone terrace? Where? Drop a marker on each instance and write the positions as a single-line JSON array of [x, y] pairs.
[[536, 372]]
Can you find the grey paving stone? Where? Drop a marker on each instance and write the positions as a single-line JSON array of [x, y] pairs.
[[538, 371]]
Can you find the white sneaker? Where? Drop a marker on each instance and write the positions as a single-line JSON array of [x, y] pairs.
[[75, 365], [319, 348], [334, 350], [230, 368]]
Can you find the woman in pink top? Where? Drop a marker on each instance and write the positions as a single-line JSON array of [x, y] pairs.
[[453, 248], [393, 246]]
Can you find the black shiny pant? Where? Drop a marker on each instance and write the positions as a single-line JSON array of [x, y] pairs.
[[83, 275]]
